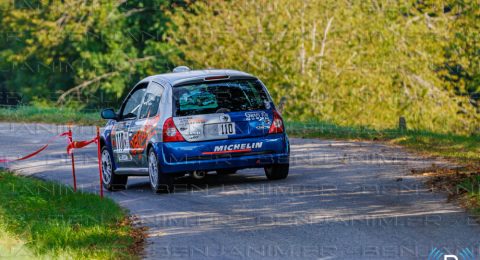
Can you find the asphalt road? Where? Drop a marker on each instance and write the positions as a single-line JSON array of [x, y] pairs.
[[342, 200]]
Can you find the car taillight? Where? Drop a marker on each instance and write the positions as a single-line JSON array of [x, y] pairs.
[[277, 124], [170, 132]]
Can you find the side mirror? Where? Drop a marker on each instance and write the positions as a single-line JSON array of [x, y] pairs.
[[109, 114]]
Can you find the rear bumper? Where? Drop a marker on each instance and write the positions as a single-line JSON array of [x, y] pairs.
[[223, 154]]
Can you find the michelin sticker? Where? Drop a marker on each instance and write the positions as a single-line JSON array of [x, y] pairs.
[[233, 147]]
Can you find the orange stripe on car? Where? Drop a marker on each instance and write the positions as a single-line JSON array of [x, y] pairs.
[[229, 151]]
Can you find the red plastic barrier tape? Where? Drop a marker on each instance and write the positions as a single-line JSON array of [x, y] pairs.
[[37, 151], [79, 144], [71, 145]]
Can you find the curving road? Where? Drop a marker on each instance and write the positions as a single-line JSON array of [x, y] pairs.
[[342, 200]]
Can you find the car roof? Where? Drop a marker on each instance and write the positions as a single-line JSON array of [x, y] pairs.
[[194, 76]]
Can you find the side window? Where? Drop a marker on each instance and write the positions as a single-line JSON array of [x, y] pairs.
[[151, 102], [133, 103]]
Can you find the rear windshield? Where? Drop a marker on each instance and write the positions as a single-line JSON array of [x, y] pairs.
[[219, 97]]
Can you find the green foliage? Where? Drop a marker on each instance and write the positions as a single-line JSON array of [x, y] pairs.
[[471, 185], [60, 45], [352, 63], [59, 223], [462, 68], [79, 48]]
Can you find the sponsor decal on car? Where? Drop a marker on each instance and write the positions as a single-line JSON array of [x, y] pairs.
[[224, 118], [127, 145], [139, 140], [121, 142], [262, 127], [235, 148], [259, 116], [124, 157]]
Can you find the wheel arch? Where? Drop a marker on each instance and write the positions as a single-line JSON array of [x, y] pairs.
[[156, 146], [102, 142], [149, 146]]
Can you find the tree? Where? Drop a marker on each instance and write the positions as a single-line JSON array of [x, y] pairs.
[[67, 52], [350, 62], [462, 68]]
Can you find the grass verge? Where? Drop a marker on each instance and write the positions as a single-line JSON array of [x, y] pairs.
[[41, 219], [461, 149], [59, 116]]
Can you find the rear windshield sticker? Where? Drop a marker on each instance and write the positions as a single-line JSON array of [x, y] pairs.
[[197, 99], [267, 104]]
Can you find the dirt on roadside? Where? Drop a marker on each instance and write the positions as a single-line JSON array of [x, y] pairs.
[[137, 233], [461, 183]]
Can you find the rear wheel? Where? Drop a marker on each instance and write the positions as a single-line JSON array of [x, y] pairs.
[[158, 181], [111, 181], [277, 171]]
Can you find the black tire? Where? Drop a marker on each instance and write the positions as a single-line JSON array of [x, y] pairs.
[[111, 181], [226, 171], [160, 183], [277, 171]]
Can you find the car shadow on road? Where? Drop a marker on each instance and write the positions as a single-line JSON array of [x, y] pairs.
[[188, 184]]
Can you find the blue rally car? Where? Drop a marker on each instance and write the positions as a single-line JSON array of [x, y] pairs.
[[193, 122]]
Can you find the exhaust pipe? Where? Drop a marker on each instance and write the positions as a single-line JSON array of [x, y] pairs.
[[198, 175]]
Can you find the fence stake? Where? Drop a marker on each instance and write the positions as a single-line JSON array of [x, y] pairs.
[[402, 124], [72, 156], [99, 162]]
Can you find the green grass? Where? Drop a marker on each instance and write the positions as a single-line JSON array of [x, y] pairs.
[[462, 149], [50, 115], [471, 185], [47, 219]]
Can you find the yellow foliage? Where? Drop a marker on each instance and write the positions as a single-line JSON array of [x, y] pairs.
[[349, 62]]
